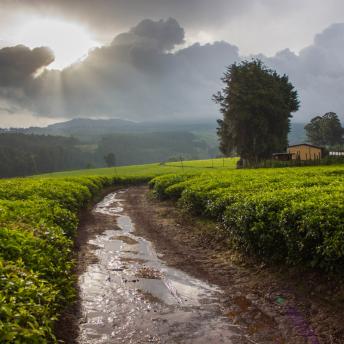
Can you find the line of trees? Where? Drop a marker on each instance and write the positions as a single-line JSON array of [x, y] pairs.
[[23, 155]]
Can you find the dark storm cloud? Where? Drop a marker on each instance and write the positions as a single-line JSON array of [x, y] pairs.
[[317, 72], [144, 74], [117, 14], [153, 35], [18, 66], [138, 77], [19, 63]]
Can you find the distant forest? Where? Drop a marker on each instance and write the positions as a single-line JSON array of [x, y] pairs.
[[154, 147], [84, 143], [29, 154], [23, 155]]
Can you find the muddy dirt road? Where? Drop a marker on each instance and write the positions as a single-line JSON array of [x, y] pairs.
[[139, 284], [131, 296]]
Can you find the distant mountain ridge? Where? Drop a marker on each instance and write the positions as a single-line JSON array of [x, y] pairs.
[[89, 129]]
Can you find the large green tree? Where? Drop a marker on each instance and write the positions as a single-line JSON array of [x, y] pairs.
[[325, 130], [256, 104]]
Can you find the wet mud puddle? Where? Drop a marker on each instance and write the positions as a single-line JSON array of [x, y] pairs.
[[131, 296]]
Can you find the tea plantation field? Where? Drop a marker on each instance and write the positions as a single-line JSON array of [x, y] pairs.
[[38, 222], [290, 215]]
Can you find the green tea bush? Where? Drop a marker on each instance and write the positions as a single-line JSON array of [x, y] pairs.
[[27, 305], [289, 215], [161, 183], [38, 221]]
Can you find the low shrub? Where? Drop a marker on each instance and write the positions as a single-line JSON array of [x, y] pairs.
[[295, 216]]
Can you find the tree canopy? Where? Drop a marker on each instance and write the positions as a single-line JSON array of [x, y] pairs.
[[256, 104], [325, 130], [22, 155]]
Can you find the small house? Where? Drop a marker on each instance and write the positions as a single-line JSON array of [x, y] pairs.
[[305, 151]]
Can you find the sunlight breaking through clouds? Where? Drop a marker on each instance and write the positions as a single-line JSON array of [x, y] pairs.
[[70, 42]]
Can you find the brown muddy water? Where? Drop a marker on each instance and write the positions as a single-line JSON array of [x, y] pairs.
[[129, 295]]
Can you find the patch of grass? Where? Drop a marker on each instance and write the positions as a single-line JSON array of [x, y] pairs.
[[152, 170]]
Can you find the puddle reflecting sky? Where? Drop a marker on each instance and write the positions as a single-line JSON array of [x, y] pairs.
[[131, 296]]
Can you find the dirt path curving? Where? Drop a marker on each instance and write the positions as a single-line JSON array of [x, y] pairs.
[[131, 296], [148, 274]]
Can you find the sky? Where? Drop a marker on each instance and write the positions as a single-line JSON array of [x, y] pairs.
[[160, 59]]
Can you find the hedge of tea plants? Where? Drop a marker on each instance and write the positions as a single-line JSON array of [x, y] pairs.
[[291, 215], [38, 221]]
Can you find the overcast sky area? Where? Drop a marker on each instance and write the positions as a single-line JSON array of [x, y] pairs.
[[160, 59]]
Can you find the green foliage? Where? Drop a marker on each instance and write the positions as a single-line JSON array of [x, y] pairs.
[[290, 215], [162, 183], [256, 104], [28, 305], [325, 130], [38, 220]]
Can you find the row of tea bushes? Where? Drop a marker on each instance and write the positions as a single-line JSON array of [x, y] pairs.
[[292, 215], [38, 221]]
